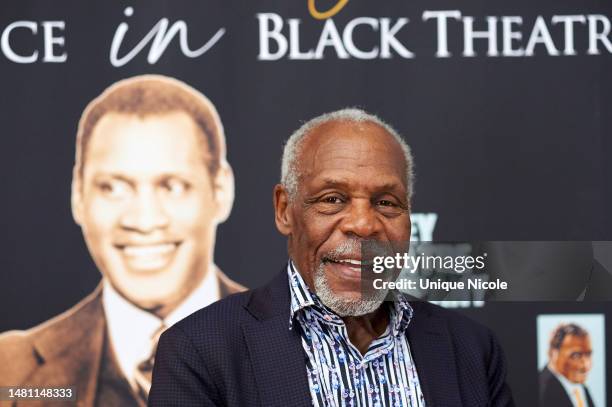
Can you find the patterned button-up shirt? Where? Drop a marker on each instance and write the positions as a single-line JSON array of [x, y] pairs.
[[338, 374]]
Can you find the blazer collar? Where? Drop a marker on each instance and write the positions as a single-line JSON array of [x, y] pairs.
[[271, 300], [434, 357], [276, 353], [68, 348]]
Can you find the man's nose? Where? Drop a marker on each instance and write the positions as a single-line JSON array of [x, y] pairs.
[[585, 363], [361, 219], [145, 213]]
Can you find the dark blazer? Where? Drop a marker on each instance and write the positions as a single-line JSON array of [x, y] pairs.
[[66, 350], [240, 352], [552, 393]]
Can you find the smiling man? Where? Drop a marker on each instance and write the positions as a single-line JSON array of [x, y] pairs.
[[563, 380], [150, 184], [310, 337]]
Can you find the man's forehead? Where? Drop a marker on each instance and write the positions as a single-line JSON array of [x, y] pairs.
[[380, 184], [351, 145], [119, 119], [342, 127], [577, 341], [156, 142]]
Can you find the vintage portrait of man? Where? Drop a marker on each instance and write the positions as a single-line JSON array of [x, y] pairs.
[[150, 185], [563, 379]]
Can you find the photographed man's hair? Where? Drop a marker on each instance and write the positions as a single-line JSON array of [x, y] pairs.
[[289, 166], [564, 330], [148, 95]]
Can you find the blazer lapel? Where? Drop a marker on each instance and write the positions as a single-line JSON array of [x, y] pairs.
[[70, 352], [432, 351], [276, 353]]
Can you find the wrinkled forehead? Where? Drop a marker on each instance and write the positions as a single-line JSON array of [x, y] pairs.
[[355, 146], [575, 343]]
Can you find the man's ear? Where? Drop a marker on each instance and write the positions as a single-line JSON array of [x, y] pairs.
[[224, 191], [553, 355], [76, 196], [282, 212]]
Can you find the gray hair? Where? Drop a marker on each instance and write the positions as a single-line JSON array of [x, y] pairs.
[[289, 166], [564, 330]]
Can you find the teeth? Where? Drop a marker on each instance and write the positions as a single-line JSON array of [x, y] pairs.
[[149, 250], [351, 261]]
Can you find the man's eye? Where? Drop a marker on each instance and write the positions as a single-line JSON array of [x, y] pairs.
[[113, 189], [384, 202], [329, 204], [332, 199], [105, 187], [389, 207], [175, 187]]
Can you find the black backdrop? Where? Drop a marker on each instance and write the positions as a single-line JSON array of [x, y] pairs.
[[506, 148]]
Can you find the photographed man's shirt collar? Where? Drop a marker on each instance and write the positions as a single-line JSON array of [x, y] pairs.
[[130, 328], [303, 298]]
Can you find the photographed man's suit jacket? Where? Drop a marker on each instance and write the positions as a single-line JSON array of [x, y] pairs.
[[70, 350], [240, 352], [552, 393]]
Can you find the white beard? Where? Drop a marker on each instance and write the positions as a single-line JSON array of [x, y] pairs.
[[345, 307]]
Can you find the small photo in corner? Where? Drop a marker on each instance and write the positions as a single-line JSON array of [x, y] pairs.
[[571, 360]]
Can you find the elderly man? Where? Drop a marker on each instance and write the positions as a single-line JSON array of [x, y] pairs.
[[562, 381], [150, 185], [308, 337]]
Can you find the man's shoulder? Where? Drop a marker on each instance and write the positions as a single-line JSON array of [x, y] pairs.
[[214, 332], [17, 357], [443, 336], [23, 350], [226, 315], [60, 325], [547, 381], [223, 316], [545, 374], [468, 335], [15, 346], [551, 390]]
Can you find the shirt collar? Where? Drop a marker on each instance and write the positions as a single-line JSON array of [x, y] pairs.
[[401, 313], [131, 329], [302, 298]]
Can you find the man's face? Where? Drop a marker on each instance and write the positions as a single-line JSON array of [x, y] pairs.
[[574, 358], [147, 207], [352, 187]]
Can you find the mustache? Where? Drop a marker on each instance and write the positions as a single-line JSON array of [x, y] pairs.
[[350, 247]]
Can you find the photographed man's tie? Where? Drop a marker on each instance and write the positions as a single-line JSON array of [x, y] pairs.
[[144, 370]]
